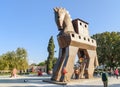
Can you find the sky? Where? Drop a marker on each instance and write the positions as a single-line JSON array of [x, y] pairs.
[[29, 24]]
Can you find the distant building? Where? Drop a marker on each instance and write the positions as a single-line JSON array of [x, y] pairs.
[[43, 68], [34, 68]]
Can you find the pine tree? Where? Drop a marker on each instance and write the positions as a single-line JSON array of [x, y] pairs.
[[50, 49]]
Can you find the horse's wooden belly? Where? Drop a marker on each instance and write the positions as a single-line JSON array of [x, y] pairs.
[[76, 40]]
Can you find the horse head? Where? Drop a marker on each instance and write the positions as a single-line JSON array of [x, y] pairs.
[[59, 17], [63, 20]]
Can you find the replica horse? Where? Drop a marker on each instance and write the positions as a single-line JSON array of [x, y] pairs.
[[71, 45], [63, 20]]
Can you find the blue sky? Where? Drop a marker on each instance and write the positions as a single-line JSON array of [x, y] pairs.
[[30, 23]]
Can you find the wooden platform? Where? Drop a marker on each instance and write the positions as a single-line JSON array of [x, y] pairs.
[[54, 82], [72, 81]]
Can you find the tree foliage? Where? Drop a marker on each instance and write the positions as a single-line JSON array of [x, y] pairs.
[[54, 61], [50, 49], [108, 48], [41, 64], [14, 59]]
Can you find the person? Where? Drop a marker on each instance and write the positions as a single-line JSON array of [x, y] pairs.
[[13, 73], [76, 74], [111, 72], [81, 59], [98, 73], [83, 67], [105, 78], [63, 78], [116, 73], [40, 72]]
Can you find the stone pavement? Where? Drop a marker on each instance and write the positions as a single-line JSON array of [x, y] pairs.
[[34, 81]]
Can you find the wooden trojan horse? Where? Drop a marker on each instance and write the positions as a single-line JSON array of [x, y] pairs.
[[73, 38]]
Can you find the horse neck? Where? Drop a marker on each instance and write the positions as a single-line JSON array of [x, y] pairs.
[[68, 24]]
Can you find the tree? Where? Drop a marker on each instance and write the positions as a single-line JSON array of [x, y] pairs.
[[54, 61], [108, 48], [41, 64], [14, 59], [11, 58], [3, 63], [21, 55], [50, 49]]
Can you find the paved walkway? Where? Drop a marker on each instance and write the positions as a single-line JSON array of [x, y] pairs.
[[37, 82]]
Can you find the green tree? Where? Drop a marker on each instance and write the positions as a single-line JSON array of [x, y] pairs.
[[50, 49], [42, 64], [3, 63], [14, 59], [11, 58], [54, 61], [108, 48], [21, 55]]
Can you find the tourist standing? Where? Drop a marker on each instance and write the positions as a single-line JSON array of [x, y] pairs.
[[64, 77], [76, 73], [116, 73], [14, 72], [111, 72], [105, 78]]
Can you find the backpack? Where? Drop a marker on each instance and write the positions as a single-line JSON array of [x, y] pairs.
[[104, 77]]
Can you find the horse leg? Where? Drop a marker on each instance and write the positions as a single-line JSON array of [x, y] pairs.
[[70, 55], [91, 63], [58, 65]]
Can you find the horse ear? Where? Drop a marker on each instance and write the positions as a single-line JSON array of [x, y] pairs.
[[55, 9]]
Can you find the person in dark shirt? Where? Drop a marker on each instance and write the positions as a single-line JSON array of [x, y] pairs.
[[105, 78]]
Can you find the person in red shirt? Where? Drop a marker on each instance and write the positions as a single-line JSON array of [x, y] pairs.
[[63, 77], [40, 72], [116, 73]]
